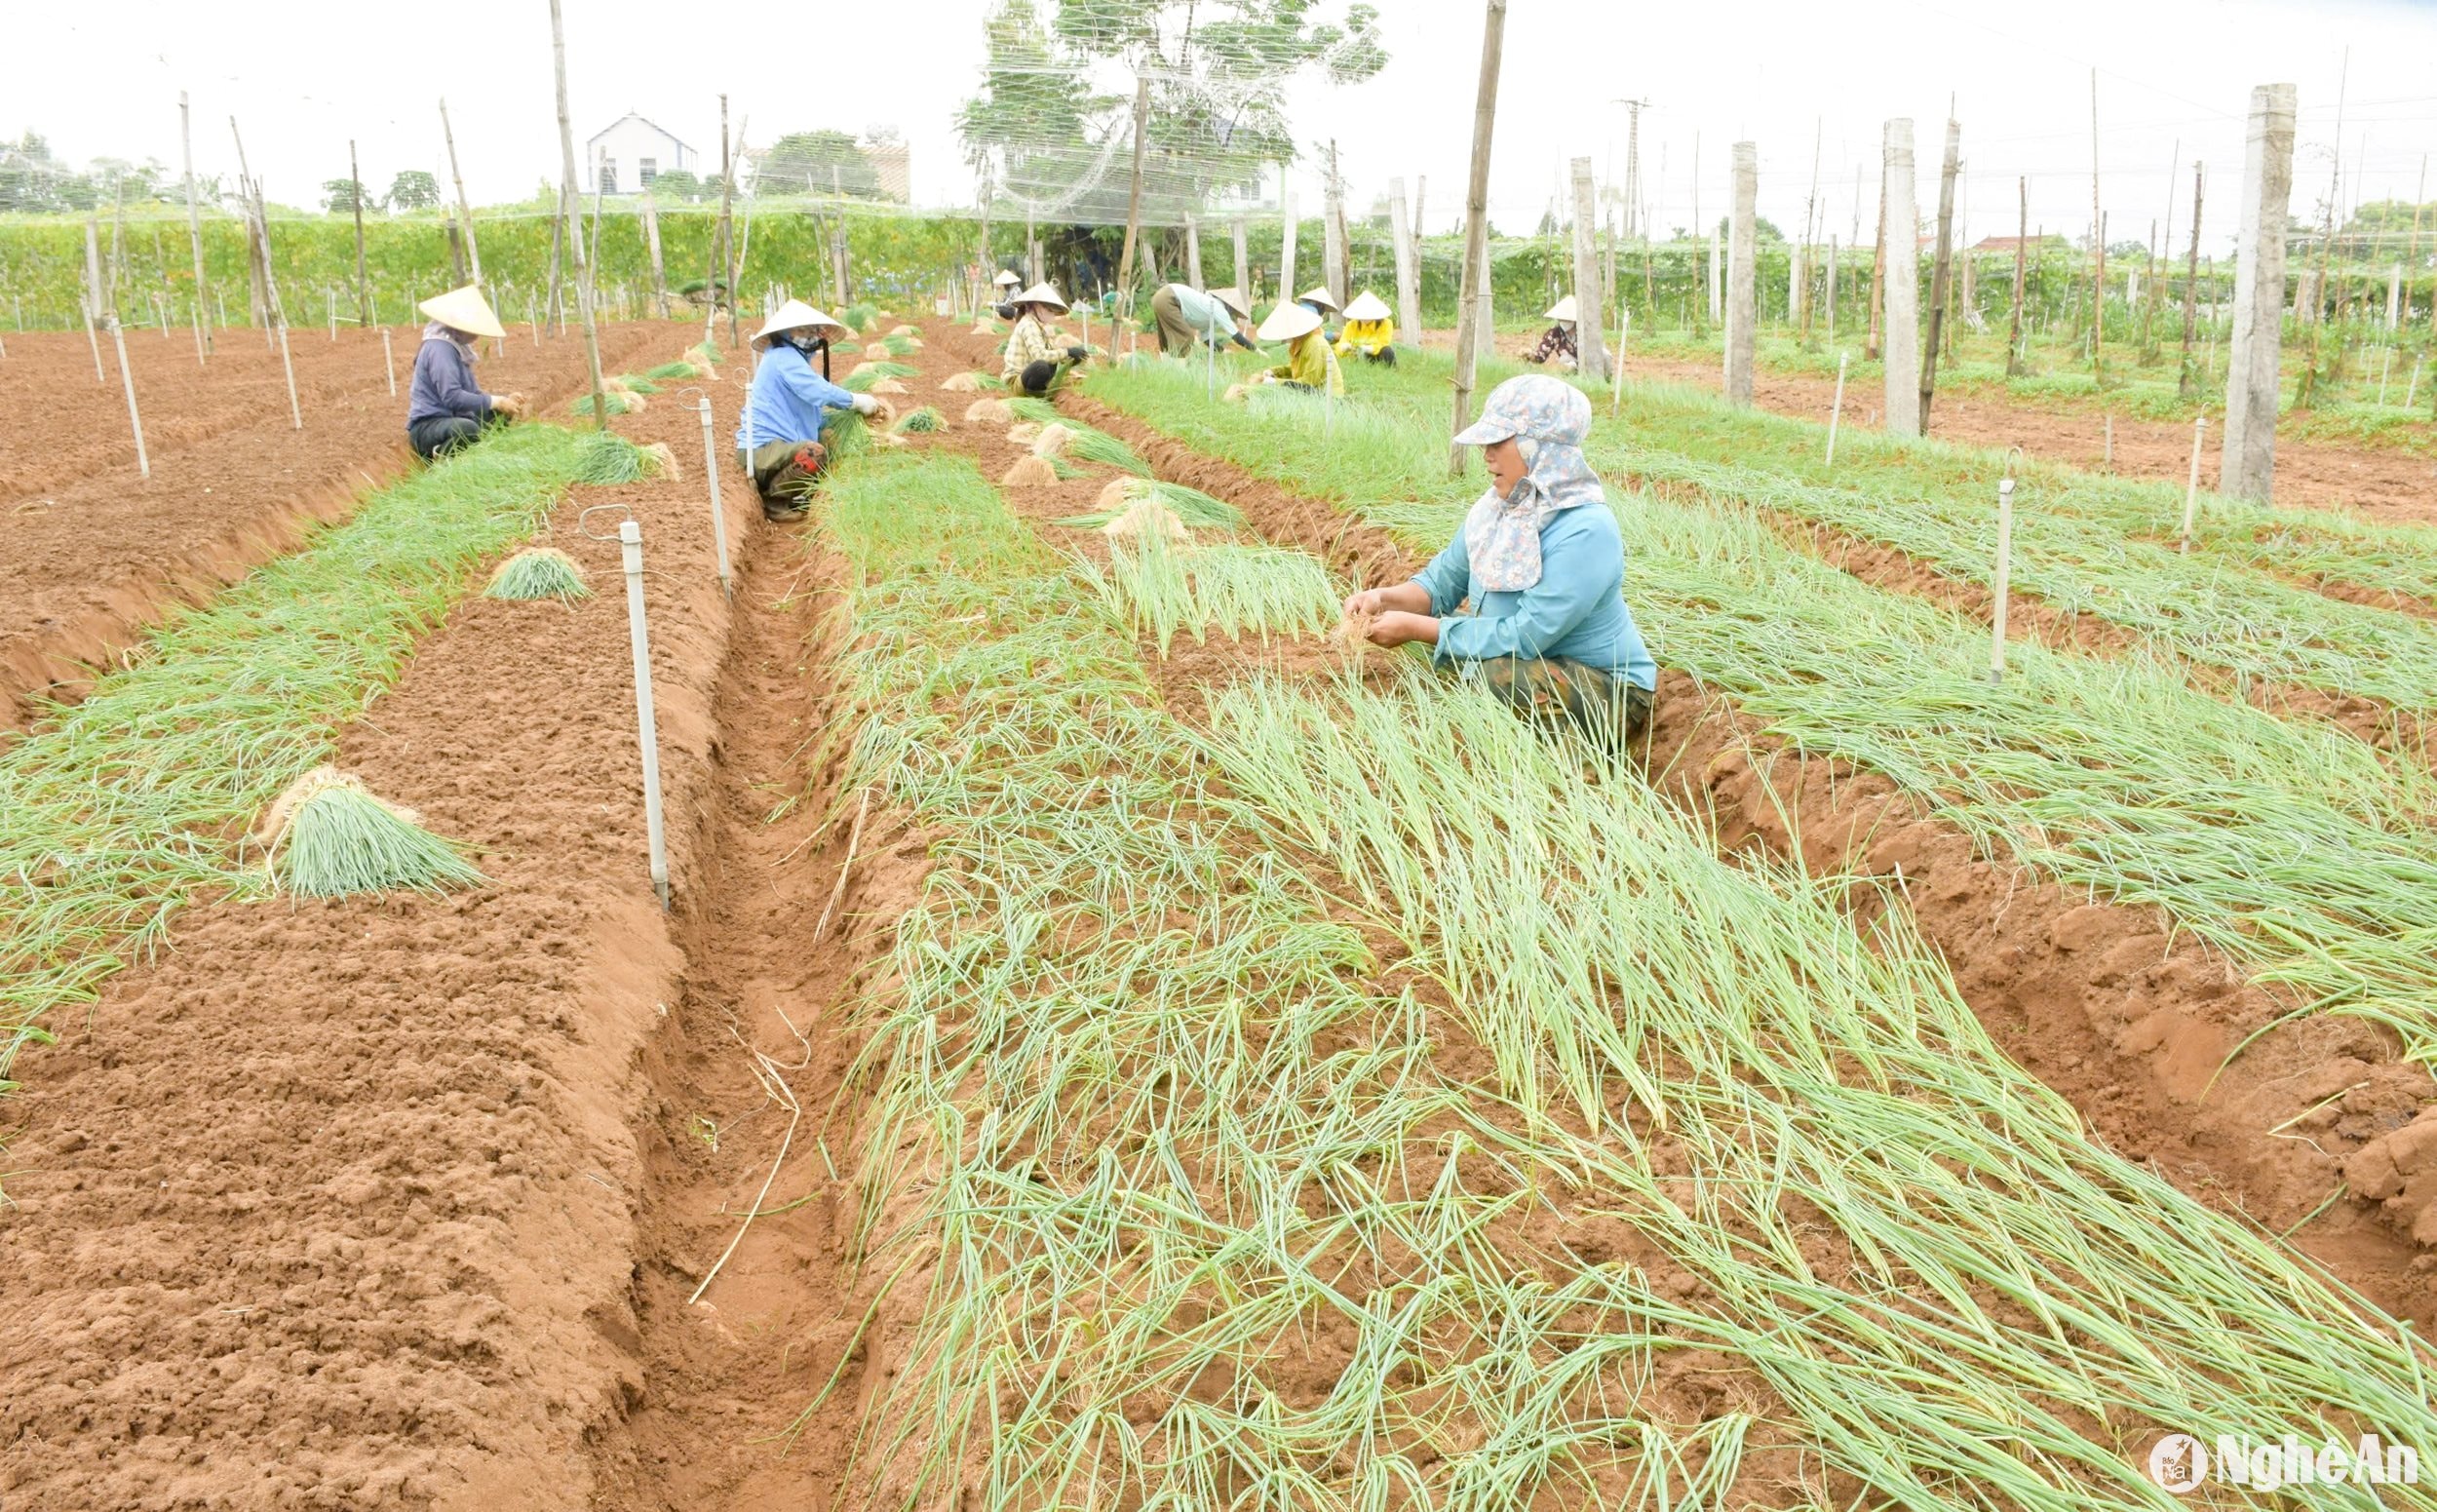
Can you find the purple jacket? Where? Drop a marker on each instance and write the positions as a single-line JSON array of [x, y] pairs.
[[443, 384]]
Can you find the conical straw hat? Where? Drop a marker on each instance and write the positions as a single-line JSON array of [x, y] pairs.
[[1038, 294], [1562, 310], [1233, 298], [795, 315], [1007, 277], [463, 309], [1317, 294], [1288, 322], [1366, 306]]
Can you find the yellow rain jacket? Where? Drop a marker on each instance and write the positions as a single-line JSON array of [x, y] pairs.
[[1360, 338], [1309, 361]]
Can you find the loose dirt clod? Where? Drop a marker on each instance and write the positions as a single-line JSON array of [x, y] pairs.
[[1031, 473]]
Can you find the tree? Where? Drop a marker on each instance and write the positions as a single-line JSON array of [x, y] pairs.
[[1220, 71], [414, 189], [677, 184], [339, 196], [804, 162]]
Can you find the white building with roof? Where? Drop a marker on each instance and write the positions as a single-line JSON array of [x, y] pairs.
[[630, 153]]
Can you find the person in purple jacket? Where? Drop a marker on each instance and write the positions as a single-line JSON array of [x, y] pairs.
[[445, 411]]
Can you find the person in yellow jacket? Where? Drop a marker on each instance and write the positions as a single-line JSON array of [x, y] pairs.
[[1369, 330], [1310, 363]]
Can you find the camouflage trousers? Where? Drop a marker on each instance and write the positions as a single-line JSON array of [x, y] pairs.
[[1604, 704], [784, 473]]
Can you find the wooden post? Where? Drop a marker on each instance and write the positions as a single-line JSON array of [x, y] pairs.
[[2187, 382], [731, 148], [2022, 251], [1286, 243], [1243, 265], [554, 302], [1590, 301], [1902, 333], [1942, 275], [364, 287], [389, 362], [1743, 276], [465, 211], [257, 258], [2249, 466], [1192, 252], [1476, 221], [1407, 272], [1134, 196], [1333, 252], [567, 173], [2097, 248], [194, 215], [1833, 262], [652, 245]]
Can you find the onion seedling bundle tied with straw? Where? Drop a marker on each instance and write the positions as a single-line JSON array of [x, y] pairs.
[[326, 838]]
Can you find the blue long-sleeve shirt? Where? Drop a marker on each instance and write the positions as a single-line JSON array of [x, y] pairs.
[[1575, 612], [788, 401], [443, 385]]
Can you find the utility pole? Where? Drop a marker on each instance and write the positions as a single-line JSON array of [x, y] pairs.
[[1633, 164], [1476, 221], [1591, 342], [1134, 200]]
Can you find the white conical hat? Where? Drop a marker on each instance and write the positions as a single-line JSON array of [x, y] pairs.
[[1288, 322], [1038, 294], [463, 309], [795, 315], [1006, 277], [1233, 298], [1366, 306], [1317, 294], [1562, 310]]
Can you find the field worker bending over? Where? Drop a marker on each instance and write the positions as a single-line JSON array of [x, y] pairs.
[[1558, 346], [445, 411], [1542, 560], [1369, 330], [1310, 364], [1003, 286], [778, 441], [1185, 315], [1035, 362]]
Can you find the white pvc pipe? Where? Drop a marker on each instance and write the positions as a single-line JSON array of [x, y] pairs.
[[2005, 562], [1624, 332], [719, 516], [390, 362], [631, 544], [134, 421], [295, 416], [2192, 489], [1835, 411]]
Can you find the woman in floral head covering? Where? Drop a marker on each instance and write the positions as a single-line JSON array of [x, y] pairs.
[[1542, 564]]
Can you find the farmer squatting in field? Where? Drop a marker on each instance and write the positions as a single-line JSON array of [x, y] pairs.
[[1034, 365], [1548, 632], [445, 411], [778, 441]]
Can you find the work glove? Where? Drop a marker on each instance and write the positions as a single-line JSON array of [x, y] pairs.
[[1245, 344], [510, 405], [868, 403], [1076, 354]]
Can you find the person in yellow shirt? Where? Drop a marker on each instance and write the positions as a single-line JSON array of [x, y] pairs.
[[1310, 363], [1034, 364], [1369, 330]]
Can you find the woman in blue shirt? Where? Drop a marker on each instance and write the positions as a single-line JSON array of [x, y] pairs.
[[778, 439], [1542, 564]]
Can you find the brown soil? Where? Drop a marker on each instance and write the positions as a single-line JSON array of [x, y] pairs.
[[97, 553], [2101, 1001], [2377, 482], [336, 1205]]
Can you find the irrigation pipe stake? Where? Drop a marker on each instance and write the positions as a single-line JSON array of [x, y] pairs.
[[710, 470], [2005, 562], [630, 545], [1835, 411], [390, 362], [2192, 489]]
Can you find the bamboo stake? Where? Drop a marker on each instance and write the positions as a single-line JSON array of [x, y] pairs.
[[92, 301], [465, 211], [194, 216], [1942, 274], [2098, 247], [2004, 565], [390, 362], [724, 243], [127, 377], [364, 288], [295, 412], [1476, 222], [1134, 195], [566, 172], [2187, 382], [2191, 489]]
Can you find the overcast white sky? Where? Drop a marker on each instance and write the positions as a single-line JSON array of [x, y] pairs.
[[2174, 80]]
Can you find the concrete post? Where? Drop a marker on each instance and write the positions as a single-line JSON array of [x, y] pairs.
[[2249, 458], [1742, 277], [1901, 289], [1590, 297]]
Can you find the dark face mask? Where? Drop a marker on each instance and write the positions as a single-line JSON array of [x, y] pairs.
[[808, 345]]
